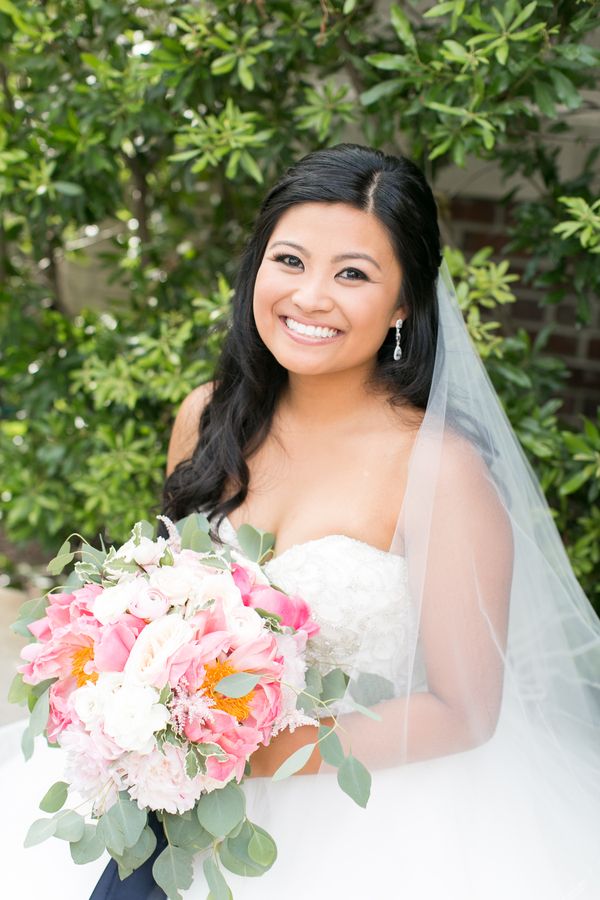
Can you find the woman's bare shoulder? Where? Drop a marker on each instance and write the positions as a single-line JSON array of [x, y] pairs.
[[184, 435]]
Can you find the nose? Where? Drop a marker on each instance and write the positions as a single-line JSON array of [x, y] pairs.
[[313, 294]]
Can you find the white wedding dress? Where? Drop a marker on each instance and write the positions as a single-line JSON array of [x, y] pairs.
[[471, 826]]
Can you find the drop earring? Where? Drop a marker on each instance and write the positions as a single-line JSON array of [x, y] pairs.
[[398, 348]]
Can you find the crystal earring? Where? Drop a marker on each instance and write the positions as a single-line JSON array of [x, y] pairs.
[[398, 348]]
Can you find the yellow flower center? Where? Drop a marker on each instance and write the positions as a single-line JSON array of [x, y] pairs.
[[238, 707], [80, 657]]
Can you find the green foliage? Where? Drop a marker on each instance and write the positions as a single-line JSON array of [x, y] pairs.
[[137, 138]]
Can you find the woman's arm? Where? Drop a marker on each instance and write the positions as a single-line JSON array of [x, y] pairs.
[[185, 434]]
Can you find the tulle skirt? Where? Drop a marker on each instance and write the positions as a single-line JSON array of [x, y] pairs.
[[493, 823]]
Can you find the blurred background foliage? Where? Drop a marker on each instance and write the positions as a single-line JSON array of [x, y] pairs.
[[136, 140]]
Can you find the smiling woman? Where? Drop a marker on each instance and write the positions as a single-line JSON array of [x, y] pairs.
[[463, 652]]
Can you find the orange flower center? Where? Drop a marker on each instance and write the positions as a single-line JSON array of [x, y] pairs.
[[238, 707], [80, 657]]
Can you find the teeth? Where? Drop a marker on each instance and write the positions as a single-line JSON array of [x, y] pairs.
[[310, 330]]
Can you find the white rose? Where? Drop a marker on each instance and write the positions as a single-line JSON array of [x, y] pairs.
[[90, 700], [134, 716], [149, 604], [144, 553], [220, 586], [244, 623], [114, 601], [156, 644], [176, 584]]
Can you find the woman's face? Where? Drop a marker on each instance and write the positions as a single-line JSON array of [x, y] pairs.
[[327, 289]]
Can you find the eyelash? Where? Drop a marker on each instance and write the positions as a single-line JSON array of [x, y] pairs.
[[281, 256]]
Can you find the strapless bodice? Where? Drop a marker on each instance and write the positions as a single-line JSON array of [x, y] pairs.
[[360, 597]]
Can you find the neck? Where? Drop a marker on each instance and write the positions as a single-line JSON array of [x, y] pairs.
[[327, 400]]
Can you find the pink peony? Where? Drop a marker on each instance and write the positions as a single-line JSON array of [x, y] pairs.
[[293, 611]]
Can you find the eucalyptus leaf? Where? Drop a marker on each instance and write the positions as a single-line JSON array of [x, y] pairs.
[[233, 851], [70, 825], [39, 716], [122, 824], [355, 780], [262, 848], [255, 543], [334, 685], [133, 857], [221, 810], [187, 833], [18, 691], [370, 689], [237, 685], [173, 871], [216, 880], [294, 763], [27, 743], [89, 847], [55, 797], [39, 831], [330, 746]]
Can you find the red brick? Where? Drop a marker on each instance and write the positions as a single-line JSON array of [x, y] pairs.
[[593, 349], [562, 344], [526, 309], [476, 240], [473, 209]]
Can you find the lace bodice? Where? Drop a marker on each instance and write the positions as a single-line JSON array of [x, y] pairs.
[[359, 596]]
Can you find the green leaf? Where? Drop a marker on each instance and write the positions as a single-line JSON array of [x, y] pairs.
[[40, 713], [186, 831], [70, 826], [334, 685], [216, 881], [355, 780], [440, 9], [402, 26], [370, 689], [173, 871], [89, 847], [122, 824], [237, 685], [27, 743], [55, 797], [18, 691], [294, 763], [39, 831], [544, 98], [233, 852], [69, 188], [221, 810], [133, 857], [330, 746], [194, 533], [378, 91], [262, 848], [255, 543], [250, 166]]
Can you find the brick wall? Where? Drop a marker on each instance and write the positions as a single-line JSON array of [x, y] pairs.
[[475, 223]]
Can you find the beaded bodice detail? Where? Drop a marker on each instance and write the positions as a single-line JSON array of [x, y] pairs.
[[359, 595]]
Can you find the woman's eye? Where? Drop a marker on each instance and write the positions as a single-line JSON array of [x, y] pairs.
[[361, 275], [281, 257]]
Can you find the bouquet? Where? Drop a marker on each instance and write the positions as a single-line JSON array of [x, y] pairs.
[[159, 668]]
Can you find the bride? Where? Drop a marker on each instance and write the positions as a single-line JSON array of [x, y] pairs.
[[351, 416]]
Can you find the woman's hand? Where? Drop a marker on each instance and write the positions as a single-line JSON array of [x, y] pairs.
[[265, 761]]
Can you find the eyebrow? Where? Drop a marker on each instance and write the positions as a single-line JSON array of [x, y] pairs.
[[338, 258]]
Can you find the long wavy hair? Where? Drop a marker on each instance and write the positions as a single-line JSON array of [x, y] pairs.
[[248, 380]]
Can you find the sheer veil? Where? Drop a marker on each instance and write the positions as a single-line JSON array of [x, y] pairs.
[[502, 648]]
